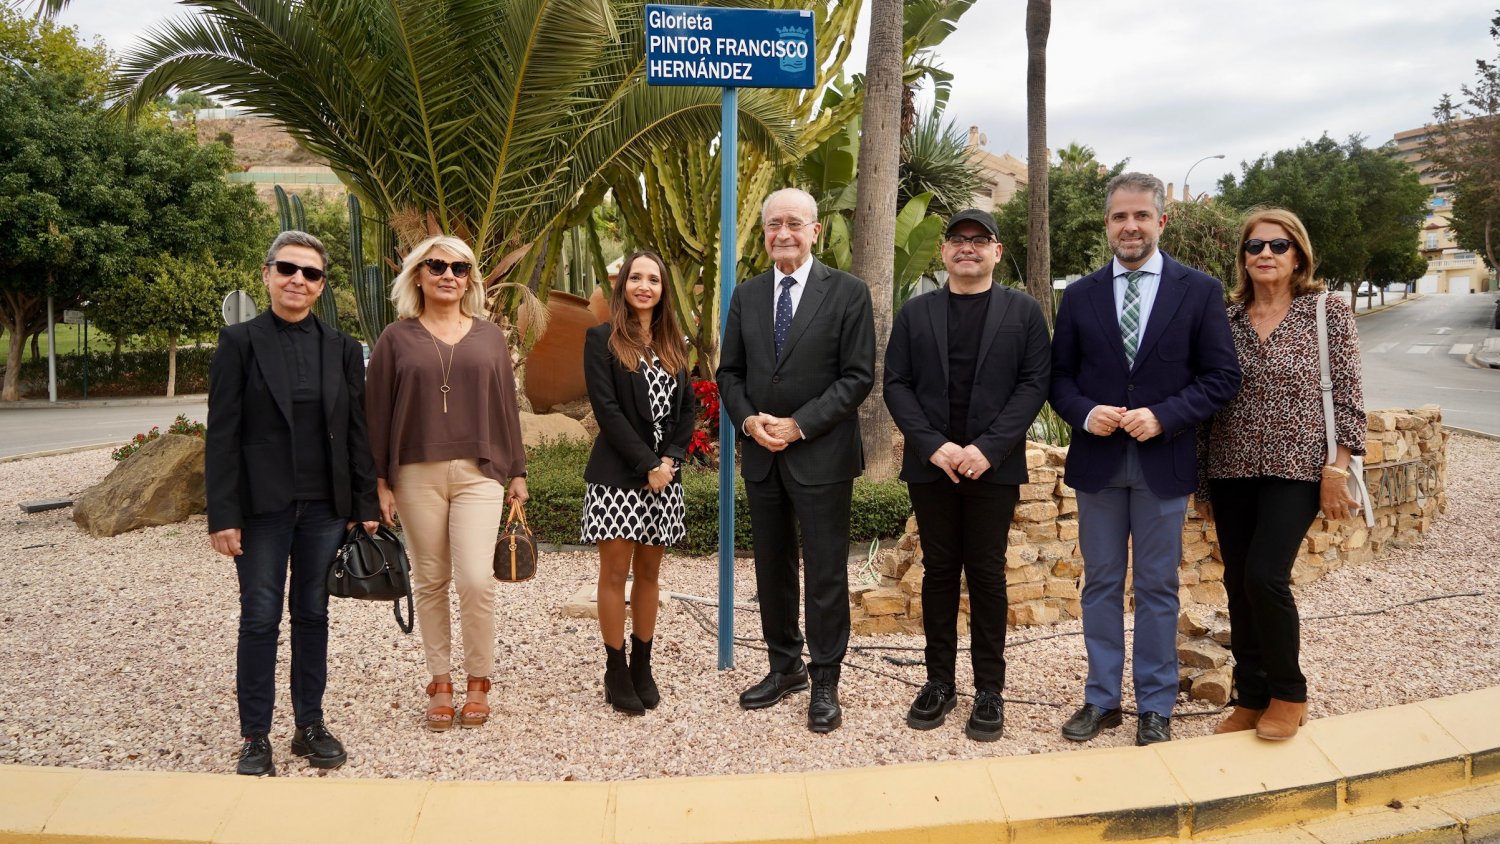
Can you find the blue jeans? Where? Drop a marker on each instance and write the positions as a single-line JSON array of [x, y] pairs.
[[306, 533]]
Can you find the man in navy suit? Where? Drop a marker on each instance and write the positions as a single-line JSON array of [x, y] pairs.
[[798, 358], [965, 373], [1141, 353]]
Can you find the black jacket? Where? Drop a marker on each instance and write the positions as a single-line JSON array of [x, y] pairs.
[[248, 460], [826, 369], [622, 452], [1011, 378]]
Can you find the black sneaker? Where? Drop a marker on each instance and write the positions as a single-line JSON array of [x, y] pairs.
[[255, 757], [319, 746], [931, 708], [987, 719]]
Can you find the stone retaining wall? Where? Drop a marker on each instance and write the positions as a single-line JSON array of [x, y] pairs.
[[1406, 467]]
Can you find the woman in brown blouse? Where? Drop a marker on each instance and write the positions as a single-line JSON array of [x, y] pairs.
[[1264, 478], [445, 431]]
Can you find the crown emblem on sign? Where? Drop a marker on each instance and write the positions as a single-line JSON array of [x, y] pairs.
[[797, 32]]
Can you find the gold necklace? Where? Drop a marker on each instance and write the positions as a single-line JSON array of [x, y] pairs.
[[445, 369], [1255, 323]]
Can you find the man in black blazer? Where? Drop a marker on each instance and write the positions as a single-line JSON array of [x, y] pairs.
[[966, 371], [798, 358], [1141, 354], [288, 471]]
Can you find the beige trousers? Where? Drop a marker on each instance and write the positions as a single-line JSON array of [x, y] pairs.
[[451, 513]]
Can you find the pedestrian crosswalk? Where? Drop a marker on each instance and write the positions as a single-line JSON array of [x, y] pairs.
[[1421, 348]]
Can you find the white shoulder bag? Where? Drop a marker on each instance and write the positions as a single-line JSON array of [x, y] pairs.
[[1356, 480]]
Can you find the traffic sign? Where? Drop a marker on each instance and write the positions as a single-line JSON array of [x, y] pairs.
[[73, 317], [238, 307], [730, 48]]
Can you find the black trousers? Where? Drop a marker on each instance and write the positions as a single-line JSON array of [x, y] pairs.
[[780, 510], [1261, 523], [963, 529]]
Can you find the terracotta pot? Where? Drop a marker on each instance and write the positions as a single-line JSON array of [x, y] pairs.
[[554, 369]]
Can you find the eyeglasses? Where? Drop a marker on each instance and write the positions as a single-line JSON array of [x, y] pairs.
[[289, 269], [437, 267], [960, 240], [1279, 246], [789, 225]]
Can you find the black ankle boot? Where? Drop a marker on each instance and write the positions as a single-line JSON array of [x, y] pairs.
[[640, 672], [619, 692]]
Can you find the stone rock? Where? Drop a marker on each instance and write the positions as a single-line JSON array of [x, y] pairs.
[[1061, 587], [1195, 620], [1213, 686], [576, 409], [1067, 529], [1040, 531], [1200, 653], [914, 607], [1036, 511], [1210, 593], [551, 427], [884, 601], [911, 582], [1018, 593], [159, 485], [874, 625], [1032, 614], [590, 424], [1036, 492]]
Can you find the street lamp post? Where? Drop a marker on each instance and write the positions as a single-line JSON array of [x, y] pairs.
[[1187, 195]]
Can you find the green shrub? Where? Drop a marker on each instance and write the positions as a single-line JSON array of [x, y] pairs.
[[554, 477], [138, 373]]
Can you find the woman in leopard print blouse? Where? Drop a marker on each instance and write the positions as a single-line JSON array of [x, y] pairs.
[[1262, 461]]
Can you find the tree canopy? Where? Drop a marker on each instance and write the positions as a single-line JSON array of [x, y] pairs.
[[1464, 149], [1362, 207], [1075, 188]]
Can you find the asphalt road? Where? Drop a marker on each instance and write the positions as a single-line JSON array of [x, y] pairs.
[[1417, 353], [33, 428]]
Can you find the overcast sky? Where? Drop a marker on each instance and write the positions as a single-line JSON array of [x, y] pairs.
[[1162, 84]]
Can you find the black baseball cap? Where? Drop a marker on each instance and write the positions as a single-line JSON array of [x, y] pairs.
[[973, 215]]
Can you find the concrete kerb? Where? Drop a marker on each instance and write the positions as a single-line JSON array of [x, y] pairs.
[[43, 404], [1433, 766]]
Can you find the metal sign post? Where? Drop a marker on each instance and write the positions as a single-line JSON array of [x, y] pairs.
[[731, 48]]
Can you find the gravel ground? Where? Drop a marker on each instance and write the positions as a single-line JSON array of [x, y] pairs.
[[119, 654]]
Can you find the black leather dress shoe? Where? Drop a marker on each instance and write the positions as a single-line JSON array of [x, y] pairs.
[[1088, 721], [1153, 729], [255, 757], [319, 746], [931, 708], [824, 715], [987, 720], [773, 688]]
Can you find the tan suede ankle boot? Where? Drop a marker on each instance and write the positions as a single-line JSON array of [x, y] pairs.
[[1242, 718], [1281, 720]]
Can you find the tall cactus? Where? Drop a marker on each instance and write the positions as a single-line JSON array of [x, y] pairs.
[[371, 282], [292, 215]]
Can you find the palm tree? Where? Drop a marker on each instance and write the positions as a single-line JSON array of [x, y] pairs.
[[494, 120], [1038, 241], [875, 211]]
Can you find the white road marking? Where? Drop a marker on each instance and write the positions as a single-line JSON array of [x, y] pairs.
[[1420, 350], [1460, 348], [1385, 347]]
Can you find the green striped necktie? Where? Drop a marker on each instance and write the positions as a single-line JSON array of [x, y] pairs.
[[1130, 316]]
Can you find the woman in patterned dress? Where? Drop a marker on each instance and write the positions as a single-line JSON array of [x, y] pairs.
[[636, 369], [1267, 472]]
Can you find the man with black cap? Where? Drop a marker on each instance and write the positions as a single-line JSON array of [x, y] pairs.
[[967, 369]]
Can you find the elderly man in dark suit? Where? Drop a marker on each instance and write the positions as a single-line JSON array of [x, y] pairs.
[[798, 358], [1141, 354], [966, 371]]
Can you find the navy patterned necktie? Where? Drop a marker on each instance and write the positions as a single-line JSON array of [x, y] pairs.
[[1130, 315], [783, 313]]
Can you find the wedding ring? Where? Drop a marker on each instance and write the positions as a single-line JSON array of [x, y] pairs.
[[970, 473]]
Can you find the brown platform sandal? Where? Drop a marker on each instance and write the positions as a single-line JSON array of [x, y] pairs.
[[439, 718], [476, 714]]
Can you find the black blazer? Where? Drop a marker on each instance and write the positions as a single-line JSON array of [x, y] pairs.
[[622, 453], [248, 459], [1011, 378], [826, 370]]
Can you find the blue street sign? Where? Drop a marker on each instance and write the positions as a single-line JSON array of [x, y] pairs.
[[729, 48]]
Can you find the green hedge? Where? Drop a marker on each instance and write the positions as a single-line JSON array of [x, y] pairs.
[[555, 479], [138, 373]]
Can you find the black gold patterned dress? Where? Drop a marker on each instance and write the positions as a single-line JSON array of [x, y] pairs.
[[640, 515]]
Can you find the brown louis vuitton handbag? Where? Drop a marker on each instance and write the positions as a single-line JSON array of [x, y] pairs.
[[515, 549]]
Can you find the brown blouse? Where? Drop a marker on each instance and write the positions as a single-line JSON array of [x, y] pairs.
[[404, 400], [1274, 426]]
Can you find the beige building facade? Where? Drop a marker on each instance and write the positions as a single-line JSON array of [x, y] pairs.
[[1003, 174], [1450, 269]]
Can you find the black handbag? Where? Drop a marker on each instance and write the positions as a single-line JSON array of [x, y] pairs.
[[373, 567]]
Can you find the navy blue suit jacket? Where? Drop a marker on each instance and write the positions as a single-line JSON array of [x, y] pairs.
[[1185, 370]]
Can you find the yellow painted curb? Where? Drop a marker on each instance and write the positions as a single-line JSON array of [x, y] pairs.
[[1365, 776]]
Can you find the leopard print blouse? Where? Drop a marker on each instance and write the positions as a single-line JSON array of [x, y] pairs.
[[1274, 426]]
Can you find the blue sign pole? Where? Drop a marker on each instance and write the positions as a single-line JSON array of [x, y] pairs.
[[728, 206], [731, 48]]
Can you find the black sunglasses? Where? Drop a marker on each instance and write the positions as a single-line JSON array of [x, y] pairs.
[[437, 267], [289, 269], [1279, 246]]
